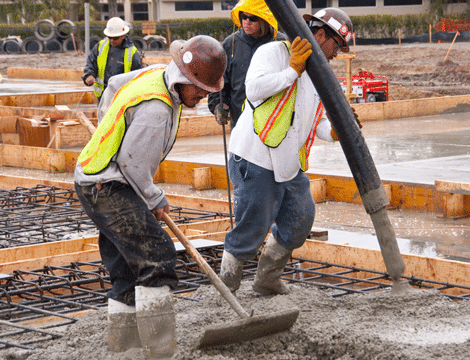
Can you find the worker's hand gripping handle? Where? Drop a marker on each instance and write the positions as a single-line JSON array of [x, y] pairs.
[[299, 53]]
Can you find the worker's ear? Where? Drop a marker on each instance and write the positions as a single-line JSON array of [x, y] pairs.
[[320, 36]]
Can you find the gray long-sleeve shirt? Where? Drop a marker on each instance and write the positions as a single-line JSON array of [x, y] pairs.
[[150, 133]]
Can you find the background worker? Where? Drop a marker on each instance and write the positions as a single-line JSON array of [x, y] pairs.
[[116, 54], [271, 190], [114, 183], [257, 26]]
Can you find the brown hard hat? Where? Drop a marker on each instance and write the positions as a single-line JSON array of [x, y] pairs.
[[202, 60], [335, 19]]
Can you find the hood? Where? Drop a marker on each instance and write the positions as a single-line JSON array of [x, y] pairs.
[[254, 7], [173, 75]]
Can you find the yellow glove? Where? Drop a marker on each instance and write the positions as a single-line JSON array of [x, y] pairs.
[[299, 53], [332, 132]]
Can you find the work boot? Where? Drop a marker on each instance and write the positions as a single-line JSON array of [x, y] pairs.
[[122, 327], [231, 271], [156, 321], [272, 261]]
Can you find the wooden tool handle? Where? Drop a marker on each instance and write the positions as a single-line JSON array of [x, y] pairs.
[[215, 280]]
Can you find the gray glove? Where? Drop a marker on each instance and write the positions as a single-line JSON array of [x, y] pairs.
[[222, 115]]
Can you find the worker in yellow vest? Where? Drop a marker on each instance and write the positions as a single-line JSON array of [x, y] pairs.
[[116, 54], [114, 183], [282, 115]]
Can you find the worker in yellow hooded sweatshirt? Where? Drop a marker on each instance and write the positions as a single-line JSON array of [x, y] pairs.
[[257, 26]]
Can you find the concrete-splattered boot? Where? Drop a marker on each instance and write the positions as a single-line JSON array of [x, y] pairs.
[[122, 327], [272, 261], [156, 321], [231, 271]]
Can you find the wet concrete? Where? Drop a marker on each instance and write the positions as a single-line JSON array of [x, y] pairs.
[[412, 150], [31, 86]]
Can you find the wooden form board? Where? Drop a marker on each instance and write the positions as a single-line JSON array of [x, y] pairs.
[[67, 98], [418, 197], [456, 198], [453, 272], [46, 74], [59, 253], [408, 108]]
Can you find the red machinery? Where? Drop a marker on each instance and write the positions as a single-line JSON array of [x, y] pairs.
[[367, 87]]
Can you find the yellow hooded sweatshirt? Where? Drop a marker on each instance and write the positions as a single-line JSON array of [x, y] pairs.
[[254, 7]]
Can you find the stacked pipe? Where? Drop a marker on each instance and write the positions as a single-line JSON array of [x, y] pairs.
[[48, 37]]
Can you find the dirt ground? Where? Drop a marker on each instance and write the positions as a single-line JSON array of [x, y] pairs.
[[417, 325], [414, 70]]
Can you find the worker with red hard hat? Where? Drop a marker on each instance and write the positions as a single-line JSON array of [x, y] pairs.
[[282, 116], [116, 54], [139, 116]]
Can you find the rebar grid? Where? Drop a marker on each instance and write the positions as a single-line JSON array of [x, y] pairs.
[[45, 213], [40, 214]]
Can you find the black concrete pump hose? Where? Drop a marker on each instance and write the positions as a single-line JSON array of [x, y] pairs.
[[343, 121]]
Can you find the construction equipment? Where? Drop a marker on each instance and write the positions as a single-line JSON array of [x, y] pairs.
[[351, 139], [366, 87], [248, 327]]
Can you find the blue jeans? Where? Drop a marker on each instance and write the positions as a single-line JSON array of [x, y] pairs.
[[261, 203], [133, 246]]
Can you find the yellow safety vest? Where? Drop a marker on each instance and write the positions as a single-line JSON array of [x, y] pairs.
[[102, 59], [274, 117], [107, 139]]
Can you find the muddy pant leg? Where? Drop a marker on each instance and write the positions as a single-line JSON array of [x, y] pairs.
[[137, 236], [296, 214]]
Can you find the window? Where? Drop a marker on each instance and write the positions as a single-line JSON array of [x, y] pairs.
[[194, 6], [227, 5], [120, 8], [356, 3], [140, 11], [402, 2], [319, 4], [300, 4]]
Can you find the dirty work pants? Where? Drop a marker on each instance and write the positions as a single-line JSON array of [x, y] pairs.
[[133, 246], [261, 203]]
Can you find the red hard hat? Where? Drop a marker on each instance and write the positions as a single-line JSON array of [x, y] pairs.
[[202, 60], [336, 19]]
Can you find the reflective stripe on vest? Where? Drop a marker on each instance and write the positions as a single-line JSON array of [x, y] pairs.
[[102, 60], [305, 150], [107, 139], [273, 118]]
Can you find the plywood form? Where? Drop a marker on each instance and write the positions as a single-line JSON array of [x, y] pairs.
[[408, 108], [36, 100], [453, 272], [46, 74]]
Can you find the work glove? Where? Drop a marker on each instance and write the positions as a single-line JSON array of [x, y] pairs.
[[333, 134], [222, 115], [299, 53]]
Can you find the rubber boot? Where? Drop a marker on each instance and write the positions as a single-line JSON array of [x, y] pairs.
[[231, 271], [122, 327], [156, 321], [272, 261]]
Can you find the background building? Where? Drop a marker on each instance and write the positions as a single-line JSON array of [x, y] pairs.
[[177, 9]]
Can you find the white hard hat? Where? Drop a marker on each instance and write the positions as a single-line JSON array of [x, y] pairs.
[[116, 27]]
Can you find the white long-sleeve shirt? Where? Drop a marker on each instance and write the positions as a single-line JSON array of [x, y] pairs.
[[268, 74]]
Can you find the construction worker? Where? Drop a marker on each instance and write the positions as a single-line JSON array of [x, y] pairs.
[[116, 54], [271, 190], [114, 183], [257, 26]]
